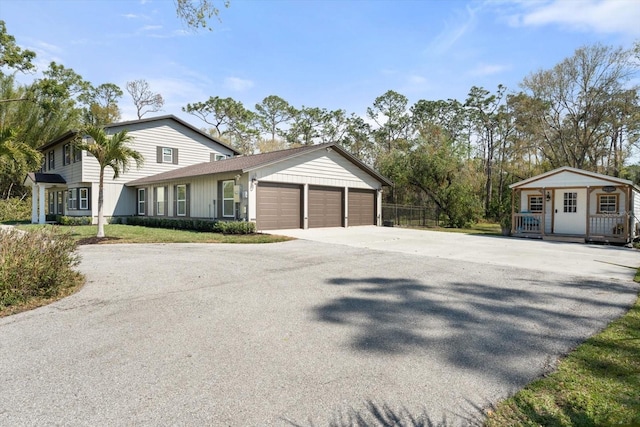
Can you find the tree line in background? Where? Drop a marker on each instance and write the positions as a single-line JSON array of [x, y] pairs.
[[458, 156]]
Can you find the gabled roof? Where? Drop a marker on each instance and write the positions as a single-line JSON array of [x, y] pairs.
[[45, 178], [72, 133], [567, 169], [244, 164]]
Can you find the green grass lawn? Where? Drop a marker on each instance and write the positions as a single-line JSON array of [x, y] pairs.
[[598, 384], [117, 233]]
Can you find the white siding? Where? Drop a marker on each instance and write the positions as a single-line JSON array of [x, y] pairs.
[[326, 168], [193, 148]]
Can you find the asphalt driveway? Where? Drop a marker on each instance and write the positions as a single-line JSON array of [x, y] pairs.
[[299, 333]]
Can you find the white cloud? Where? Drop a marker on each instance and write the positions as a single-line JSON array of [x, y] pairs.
[[463, 22], [237, 84], [602, 16], [130, 16]]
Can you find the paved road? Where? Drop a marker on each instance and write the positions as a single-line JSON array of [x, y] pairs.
[[294, 333]]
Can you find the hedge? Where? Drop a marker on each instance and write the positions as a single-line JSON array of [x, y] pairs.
[[205, 225]]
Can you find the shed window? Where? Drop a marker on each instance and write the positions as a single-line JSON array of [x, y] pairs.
[[535, 204], [570, 202], [607, 203]]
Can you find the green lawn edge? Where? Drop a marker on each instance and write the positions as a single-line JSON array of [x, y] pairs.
[[119, 233], [597, 384]]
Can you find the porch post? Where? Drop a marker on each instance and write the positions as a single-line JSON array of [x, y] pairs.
[[513, 190], [628, 221], [41, 216], [588, 211], [34, 203], [544, 211]]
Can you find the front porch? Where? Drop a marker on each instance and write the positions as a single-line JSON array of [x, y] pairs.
[[40, 182], [612, 228]]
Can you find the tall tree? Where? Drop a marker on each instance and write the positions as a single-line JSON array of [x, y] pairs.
[[143, 98], [272, 112], [110, 151], [483, 107], [101, 104], [389, 112], [575, 101], [13, 56]]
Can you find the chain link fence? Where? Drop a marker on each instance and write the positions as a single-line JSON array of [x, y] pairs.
[[410, 216]]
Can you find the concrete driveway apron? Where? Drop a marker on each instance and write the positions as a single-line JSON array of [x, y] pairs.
[[306, 332]]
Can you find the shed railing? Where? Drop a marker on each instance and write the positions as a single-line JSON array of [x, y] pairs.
[[527, 223], [608, 225]]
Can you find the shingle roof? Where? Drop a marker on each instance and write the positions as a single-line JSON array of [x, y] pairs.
[[72, 133], [246, 163], [48, 178]]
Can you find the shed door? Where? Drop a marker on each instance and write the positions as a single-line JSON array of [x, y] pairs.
[[278, 206], [362, 207], [325, 207], [570, 211]]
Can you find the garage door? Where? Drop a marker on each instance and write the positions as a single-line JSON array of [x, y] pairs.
[[362, 207], [278, 206], [325, 207]]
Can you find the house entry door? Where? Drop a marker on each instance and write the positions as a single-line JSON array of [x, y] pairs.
[[570, 211]]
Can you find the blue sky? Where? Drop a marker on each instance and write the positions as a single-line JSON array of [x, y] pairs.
[[318, 53]]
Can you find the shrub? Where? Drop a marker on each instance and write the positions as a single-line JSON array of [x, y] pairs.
[[35, 264], [237, 227], [74, 220], [205, 225], [15, 209]]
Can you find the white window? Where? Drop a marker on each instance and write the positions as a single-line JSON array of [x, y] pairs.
[[167, 155], [227, 198], [181, 200], [220, 157], [72, 198], [77, 154], [570, 202], [142, 200], [160, 201], [52, 160], [84, 198]]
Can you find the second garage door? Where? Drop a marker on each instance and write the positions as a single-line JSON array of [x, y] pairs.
[[278, 206], [361, 207], [325, 207]]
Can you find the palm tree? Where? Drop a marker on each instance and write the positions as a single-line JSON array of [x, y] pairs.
[[112, 151]]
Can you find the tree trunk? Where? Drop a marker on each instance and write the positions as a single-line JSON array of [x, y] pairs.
[[100, 205]]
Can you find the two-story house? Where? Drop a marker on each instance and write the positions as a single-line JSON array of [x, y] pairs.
[[68, 181], [189, 174]]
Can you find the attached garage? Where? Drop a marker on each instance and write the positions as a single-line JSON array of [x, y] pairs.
[[362, 207], [279, 206], [325, 207]]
